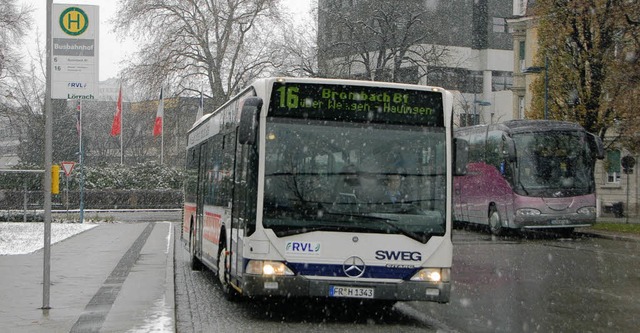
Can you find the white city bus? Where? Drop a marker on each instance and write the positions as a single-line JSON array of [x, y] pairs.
[[285, 191]]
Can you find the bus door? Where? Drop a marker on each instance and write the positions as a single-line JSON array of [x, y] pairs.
[[243, 209], [460, 206], [201, 190], [236, 239]]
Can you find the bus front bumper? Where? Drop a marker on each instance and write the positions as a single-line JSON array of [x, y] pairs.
[[299, 286], [550, 222]]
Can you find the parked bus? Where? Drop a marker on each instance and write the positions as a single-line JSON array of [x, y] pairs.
[[284, 195], [528, 174]]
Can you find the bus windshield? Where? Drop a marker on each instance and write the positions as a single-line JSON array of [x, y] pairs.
[[554, 164], [335, 176]]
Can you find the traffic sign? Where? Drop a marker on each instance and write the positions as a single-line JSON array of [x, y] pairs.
[[67, 167], [74, 51]]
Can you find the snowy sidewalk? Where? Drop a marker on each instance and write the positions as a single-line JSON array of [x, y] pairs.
[[108, 277]]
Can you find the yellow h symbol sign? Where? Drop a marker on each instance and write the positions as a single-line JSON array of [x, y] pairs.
[[74, 21]]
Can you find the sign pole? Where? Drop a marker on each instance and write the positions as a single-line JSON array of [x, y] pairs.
[[48, 157], [67, 167], [81, 159]]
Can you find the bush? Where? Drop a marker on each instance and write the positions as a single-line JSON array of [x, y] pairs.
[[145, 176]]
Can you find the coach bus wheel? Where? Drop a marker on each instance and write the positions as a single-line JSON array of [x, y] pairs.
[[196, 264], [495, 223], [223, 274]]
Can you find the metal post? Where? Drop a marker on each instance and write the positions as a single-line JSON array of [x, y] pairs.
[[546, 88], [66, 193], [81, 159], [25, 201], [628, 185], [48, 157]]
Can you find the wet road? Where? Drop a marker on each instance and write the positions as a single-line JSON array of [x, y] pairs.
[[542, 284], [538, 283]]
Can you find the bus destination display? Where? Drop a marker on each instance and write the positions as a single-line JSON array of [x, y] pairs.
[[362, 103]]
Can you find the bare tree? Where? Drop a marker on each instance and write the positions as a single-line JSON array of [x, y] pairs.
[[381, 40], [299, 42], [12, 30], [185, 42]]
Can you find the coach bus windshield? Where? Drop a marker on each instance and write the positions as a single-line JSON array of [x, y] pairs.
[[338, 176], [554, 164]]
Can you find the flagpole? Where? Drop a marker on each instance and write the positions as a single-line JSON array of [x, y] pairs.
[[81, 159], [162, 130], [162, 142], [121, 127]]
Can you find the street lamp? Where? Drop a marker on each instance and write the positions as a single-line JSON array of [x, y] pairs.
[[539, 69], [475, 111]]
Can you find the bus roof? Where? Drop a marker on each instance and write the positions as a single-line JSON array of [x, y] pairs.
[[539, 125], [525, 126]]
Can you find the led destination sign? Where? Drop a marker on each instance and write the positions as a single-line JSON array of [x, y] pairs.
[[357, 103]]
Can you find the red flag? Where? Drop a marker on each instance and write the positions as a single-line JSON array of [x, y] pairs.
[[157, 126], [116, 126]]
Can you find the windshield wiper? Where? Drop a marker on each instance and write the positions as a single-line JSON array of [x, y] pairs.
[[385, 221]]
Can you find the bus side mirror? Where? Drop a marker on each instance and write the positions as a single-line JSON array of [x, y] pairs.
[[461, 157], [596, 146], [249, 120]]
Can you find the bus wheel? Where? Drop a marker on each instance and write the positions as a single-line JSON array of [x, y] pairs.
[[196, 264], [223, 275], [495, 222]]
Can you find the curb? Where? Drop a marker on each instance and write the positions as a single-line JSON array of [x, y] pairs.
[[608, 235]]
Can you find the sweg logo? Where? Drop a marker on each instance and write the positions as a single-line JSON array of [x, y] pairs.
[[398, 255], [303, 247]]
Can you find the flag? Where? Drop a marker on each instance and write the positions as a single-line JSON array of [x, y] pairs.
[[200, 107], [157, 126], [116, 126]]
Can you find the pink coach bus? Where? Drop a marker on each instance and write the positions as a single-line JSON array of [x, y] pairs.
[[528, 174]]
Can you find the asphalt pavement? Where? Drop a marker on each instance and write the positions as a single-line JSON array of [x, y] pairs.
[[116, 277]]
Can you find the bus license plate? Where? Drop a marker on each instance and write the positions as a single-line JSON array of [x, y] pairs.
[[354, 292]]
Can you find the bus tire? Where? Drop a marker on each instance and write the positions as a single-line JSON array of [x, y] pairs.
[[195, 263], [495, 222], [223, 274]]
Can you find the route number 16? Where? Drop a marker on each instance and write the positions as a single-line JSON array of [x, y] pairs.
[[289, 97]]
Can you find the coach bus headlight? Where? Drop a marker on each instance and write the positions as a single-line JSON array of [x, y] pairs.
[[527, 212], [263, 267], [587, 211], [432, 275]]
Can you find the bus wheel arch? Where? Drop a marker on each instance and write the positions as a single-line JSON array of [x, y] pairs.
[[223, 268], [495, 221], [195, 263]]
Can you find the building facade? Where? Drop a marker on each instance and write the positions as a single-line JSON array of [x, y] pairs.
[[472, 38]]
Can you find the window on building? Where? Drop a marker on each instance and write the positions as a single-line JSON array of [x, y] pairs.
[[521, 107], [499, 24], [521, 55], [501, 80], [612, 164]]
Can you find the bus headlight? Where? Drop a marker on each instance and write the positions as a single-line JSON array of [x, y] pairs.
[[527, 212], [587, 210], [432, 275], [265, 267]]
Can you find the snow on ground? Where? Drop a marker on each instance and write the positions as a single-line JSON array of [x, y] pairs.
[[23, 238]]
